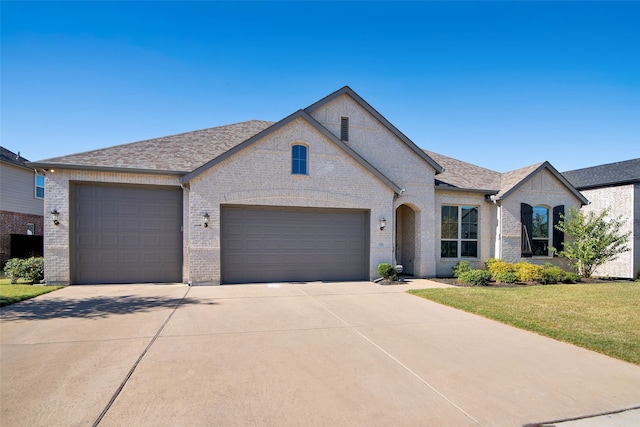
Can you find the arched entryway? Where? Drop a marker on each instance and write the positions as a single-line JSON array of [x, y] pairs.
[[406, 238]]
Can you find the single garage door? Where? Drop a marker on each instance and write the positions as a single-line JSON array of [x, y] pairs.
[[126, 234], [266, 244]]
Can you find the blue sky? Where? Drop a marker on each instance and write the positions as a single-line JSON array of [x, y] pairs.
[[499, 84]]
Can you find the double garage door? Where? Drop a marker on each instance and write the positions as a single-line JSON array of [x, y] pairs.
[[267, 244], [126, 234]]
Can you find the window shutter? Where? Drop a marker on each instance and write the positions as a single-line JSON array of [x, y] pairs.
[[526, 218], [558, 236], [344, 129]]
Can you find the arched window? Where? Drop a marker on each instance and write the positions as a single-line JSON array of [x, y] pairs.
[[299, 159], [540, 231]]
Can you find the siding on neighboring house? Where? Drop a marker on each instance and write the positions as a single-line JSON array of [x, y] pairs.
[[18, 203], [17, 190]]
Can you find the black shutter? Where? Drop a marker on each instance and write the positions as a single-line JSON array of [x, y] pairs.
[[558, 236], [526, 218]]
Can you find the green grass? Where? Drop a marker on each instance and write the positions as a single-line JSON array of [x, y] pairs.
[[13, 293], [601, 317]]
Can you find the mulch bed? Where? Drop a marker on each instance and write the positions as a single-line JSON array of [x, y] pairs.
[[454, 282]]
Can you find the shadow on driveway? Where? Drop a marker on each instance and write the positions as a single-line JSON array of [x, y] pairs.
[[93, 307]]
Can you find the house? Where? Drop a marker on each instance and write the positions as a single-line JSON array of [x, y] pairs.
[[21, 207], [614, 186], [327, 193]]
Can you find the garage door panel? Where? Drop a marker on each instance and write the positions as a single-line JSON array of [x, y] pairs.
[[126, 234], [109, 223], [105, 241], [265, 244]]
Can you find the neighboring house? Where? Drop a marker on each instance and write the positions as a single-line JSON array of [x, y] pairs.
[[326, 193], [21, 207], [614, 186]]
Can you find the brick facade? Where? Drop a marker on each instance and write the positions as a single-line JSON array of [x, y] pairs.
[[378, 170], [16, 223], [622, 201]]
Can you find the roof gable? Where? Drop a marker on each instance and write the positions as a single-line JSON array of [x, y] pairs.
[[305, 116], [459, 175], [611, 174], [364, 104], [513, 180]]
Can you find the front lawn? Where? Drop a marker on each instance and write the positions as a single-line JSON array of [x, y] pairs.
[[601, 317], [13, 293]]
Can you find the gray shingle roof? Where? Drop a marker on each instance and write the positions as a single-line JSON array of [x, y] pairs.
[[610, 174], [9, 156], [176, 153], [465, 175]]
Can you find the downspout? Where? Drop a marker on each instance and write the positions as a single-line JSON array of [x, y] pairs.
[[498, 244]]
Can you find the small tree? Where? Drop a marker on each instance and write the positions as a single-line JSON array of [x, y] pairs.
[[593, 240]]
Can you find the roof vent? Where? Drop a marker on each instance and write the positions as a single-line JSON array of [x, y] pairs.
[[344, 129]]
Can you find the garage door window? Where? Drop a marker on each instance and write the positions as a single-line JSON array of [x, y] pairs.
[[299, 160]]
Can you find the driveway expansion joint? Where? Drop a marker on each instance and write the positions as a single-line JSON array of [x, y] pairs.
[[137, 362], [397, 361]]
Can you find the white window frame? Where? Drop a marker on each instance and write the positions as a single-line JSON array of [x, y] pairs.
[[36, 187]]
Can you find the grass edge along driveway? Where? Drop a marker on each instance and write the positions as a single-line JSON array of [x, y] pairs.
[[600, 317], [12, 293]]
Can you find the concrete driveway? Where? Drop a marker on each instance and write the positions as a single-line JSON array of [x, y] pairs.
[[353, 354]]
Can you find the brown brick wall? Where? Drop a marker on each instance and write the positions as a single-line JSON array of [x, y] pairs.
[[15, 223]]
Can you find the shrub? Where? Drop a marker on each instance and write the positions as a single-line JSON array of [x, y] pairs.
[[571, 277], [499, 267], [30, 269], [33, 269], [461, 267], [552, 274], [475, 277], [387, 271], [13, 269], [490, 261], [506, 277], [527, 272]]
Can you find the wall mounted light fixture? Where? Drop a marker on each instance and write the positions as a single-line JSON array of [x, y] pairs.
[[205, 219], [382, 224], [55, 215]]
